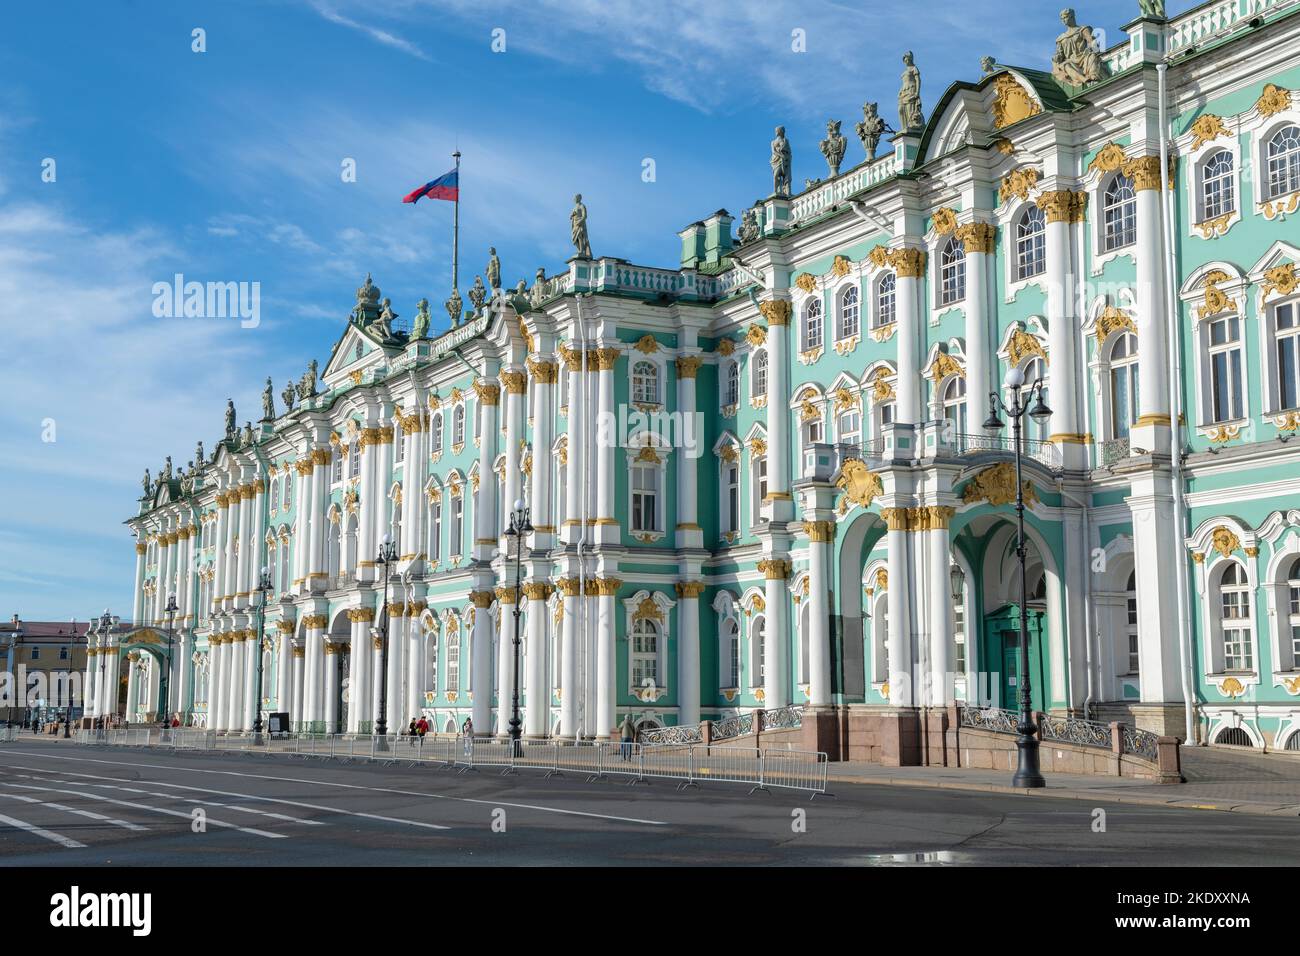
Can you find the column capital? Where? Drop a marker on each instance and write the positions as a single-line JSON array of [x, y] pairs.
[[361, 615], [505, 595], [516, 382], [1064, 205], [605, 358], [481, 599], [603, 587], [689, 365], [544, 373], [569, 587], [489, 393], [775, 569], [689, 589], [820, 531], [315, 621], [907, 263], [776, 311], [538, 590], [976, 237]]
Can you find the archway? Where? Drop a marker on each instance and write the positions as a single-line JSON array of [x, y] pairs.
[[338, 669], [851, 652]]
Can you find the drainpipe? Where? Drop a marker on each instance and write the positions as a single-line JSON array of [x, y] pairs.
[[1176, 412]]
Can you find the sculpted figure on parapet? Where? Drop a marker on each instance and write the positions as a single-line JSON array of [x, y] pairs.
[[1077, 60], [780, 164]]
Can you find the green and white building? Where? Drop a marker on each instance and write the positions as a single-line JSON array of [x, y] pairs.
[[762, 479]]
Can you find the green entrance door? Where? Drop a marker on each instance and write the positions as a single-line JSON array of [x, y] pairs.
[[1002, 651]]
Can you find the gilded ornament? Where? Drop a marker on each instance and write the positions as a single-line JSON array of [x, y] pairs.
[[758, 446], [1216, 300], [688, 366], [1011, 102], [1022, 345], [726, 346], [806, 281], [1231, 687], [943, 366], [1109, 158], [774, 569], [776, 311], [882, 391], [861, 486], [976, 237], [996, 484], [1063, 205], [944, 220], [1111, 319], [1217, 226], [1207, 128], [1273, 100], [1281, 279], [841, 267], [647, 345], [1224, 541]]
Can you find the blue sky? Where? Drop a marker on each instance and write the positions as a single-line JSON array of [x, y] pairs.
[[225, 166]]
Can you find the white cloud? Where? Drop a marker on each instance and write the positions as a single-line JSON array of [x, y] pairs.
[[380, 36]]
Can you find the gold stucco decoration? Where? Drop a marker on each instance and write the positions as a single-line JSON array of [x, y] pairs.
[[776, 311], [1273, 100], [882, 391], [647, 344], [726, 347], [860, 484], [945, 220], [841, 267], [756, 336], [1281, 279], [1216, 301], [1022, 345], [1112, 319], [1207, 128], [943, 366], [996, 484], [1012, 102], [1231, 687], [806, 281], [1224, 541]]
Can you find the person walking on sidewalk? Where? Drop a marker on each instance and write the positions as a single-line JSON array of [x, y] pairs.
[[627, 734]]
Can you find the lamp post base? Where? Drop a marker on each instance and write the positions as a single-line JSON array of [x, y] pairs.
[[1028, 776]]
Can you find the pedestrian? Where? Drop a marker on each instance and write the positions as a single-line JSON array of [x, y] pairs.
[[410, 731], [627, 733], [467, 730], [422, 726]]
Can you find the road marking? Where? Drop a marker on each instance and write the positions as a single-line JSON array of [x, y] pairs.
[[346, 786], [230, 793], [144, 806], [81, 813], [50, 835]]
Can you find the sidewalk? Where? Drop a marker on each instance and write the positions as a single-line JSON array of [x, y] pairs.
[[1222, 780]]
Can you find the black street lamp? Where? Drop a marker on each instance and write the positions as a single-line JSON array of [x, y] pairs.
[[1027, 772], [170, 611], [387, 555], [105, 631], [263, 586], [519, 526]]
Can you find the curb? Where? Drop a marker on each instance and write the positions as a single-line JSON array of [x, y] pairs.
[[1070, 793]]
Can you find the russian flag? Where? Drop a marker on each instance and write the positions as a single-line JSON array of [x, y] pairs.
[[446, 186]]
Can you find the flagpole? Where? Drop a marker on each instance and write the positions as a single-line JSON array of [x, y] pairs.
[[455, 230]]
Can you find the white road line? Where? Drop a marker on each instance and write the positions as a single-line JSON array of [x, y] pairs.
[[211, 821], [81, 813], [172, 796], [50, 835], [247, 796], [330, 783]]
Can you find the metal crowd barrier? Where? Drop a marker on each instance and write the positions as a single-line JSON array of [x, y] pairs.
[[688, 764]]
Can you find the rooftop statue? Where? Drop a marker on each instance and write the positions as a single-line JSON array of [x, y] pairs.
[[477, 294], [307, 384], [230, 418], [167, 470], [578, 229], [870, 129], [538, 291], [1152, 8], [287, 396], [268, 402], [780, 164], [422, 320], [987, 64], [493, 269], [749, 225], [198, 454], [833, 147], [147, 484], [453, 305], [910, 117], [383, 325], [248, 435], [1077, 60]]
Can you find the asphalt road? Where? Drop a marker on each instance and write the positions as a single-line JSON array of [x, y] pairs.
[[68, 805]]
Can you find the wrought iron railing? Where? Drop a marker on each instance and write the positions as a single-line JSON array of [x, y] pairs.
[[1114, 451], [1070, 730], [976, 443], [783, 718], [989, 718], [736, 725], [1141, 743], [1073, 730], [684, 734]]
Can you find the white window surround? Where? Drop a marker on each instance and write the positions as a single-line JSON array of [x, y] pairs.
[[729, 378], [1008, 220], [1262, 132], [835, 292], [758, 373], [1278, 611], [1094, 183], [728, 443], [641, 447], [874, 607], [799, 301], [1265, 309], [935, 246], [882, 300], [1193, 297], [1208, 575], [815, 399], [725, 605], [658, 361], [663, 606]]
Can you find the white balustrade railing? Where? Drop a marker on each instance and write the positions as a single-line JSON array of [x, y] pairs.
[[822, 197]]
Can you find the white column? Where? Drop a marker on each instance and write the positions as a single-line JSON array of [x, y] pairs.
[[368, 534], [302, 523], [1064, 209], [1153, 427], [137, 599], [415, 661], [978, 241], [396, 706], [537, 713], [689, 533], [941, 690], [313, 712], [330, 688], [543, 378], [298, 658], [216, 683], [570, 641], [360, 674], [776, 635], [319, 526], [515, 383], [505, 659], [820, 534], [247, 552], [487, 528], [606, 697], [607, 529], [575, 449], [777, 313], [481, 652], [688, 651], [899, 601], [284, 670], [132, 686], [909, 267], [88, 682]]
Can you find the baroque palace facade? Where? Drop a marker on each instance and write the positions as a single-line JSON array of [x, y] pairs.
[[763, 478]]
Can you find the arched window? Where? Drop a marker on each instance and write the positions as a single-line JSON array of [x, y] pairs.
[[1031, 243], [435, 434], [1218, 195], [812, 324], [886, 312], [731, 639], [1224, 343], [645, 653], [848, 424], [1235, 618], [337, 471], [288, 492], [1119, 214], [334, 556], [732, 394], [350, 545], [453, 659], [1131, 625], [1036, 369], [1284, 161], [757, 651], [272, 563], [274, 496], [959, 622], [1286, 326], [1123, 384], [1293, 612], [395, 531], [952, 272], [850, 312], [431, 661], [458, 426], [953, 399], [645, 383], [882, 414], [645, 496], [758, 375]]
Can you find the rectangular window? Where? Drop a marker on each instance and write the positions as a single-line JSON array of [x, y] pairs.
[[731, 474], [645, 497], [1225, 370], [457, 524], [1288, 355]]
